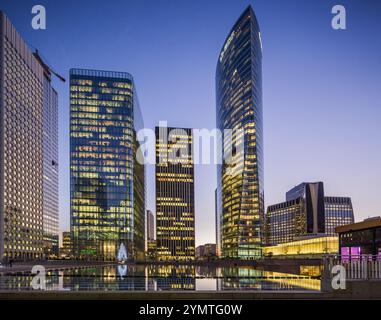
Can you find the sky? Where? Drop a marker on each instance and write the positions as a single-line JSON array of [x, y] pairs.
[[321, 87]]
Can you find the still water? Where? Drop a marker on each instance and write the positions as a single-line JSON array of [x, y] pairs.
[[164, 278]]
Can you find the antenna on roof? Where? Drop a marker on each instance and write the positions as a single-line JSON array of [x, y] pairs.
[[47, 67]]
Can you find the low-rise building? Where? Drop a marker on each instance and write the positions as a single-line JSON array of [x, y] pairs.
[[312, 247], [361, 238]]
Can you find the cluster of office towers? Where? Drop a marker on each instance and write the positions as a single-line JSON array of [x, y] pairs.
[[108, 184]]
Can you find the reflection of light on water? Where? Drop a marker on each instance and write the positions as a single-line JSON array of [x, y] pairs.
[[157, 278], [122, 270], [122, 253], [292, 280], [312, 271]]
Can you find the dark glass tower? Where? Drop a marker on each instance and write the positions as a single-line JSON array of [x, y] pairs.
[[106, 180], [240, 195], [306, 212]]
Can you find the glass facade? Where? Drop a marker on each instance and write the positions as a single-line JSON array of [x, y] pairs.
[[66, 249], [362, 238], [285, 221], [306, 248], [306, 211], [240, 194], [150, 224], [175, 209], [107, 183], [50, 169], [28, 143], [338, 212]]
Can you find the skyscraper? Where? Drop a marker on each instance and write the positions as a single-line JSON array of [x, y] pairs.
[[175, 210], [306, 212], [150, 236], [300, 215], [107, 195], [50, 167], [150, 224], [28, 151], [240, 194], [338, 212]]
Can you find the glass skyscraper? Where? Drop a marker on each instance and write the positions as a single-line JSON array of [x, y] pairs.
[[240, 194], [28, 151], [338, 212], [175, 209], [107, 194], [306, 212]]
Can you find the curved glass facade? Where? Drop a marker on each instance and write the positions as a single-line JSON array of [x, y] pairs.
[[107, 183], [240, 195]]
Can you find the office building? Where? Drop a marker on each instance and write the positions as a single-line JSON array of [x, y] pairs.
[[338, 212], [175, 209], [306, 212], [361, 238], [240, 193], [150, 225], [218, 221], [150, 236], [151, 251], [50, 166], [107, 182], [67, 245], [313, 247], [206, 252], [28, 151]]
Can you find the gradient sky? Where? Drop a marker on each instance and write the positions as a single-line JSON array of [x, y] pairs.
[[321, 87]]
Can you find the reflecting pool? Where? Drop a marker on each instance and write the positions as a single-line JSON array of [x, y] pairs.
[[164, 278]]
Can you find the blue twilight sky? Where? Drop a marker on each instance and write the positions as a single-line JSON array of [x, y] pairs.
[[322, 104]]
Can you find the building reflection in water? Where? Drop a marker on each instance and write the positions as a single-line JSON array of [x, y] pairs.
[[167, 277], [170, 277]]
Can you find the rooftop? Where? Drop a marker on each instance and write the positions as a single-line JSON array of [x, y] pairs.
[[366, 224]]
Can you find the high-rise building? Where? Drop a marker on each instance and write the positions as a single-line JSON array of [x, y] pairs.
[[306, 212], [338, 212], [50, 167], [218, 221], [67, 245], [150, 224], [175, 210], [240, 194], [28, 151], [206, 251], [150, 236], [107, 182]]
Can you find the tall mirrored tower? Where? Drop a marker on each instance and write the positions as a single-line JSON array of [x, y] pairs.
[[107, 194], [240, 195]]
